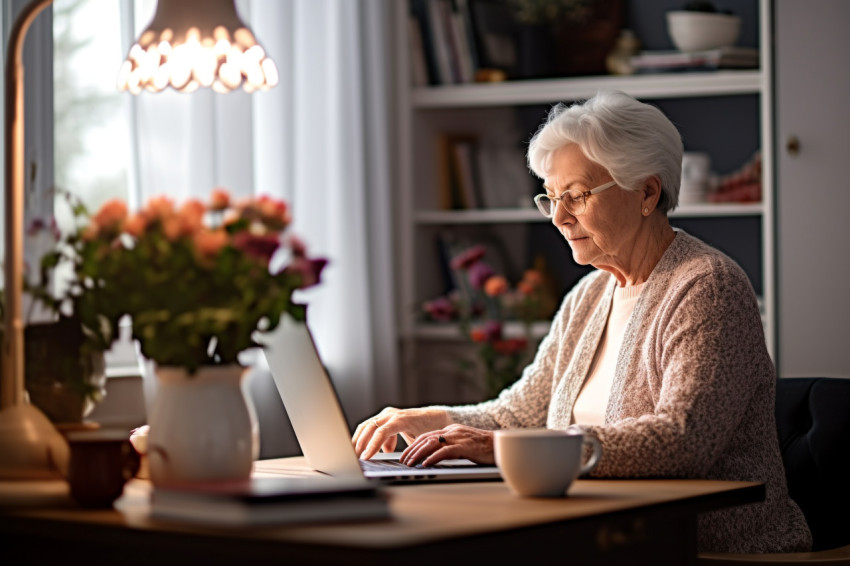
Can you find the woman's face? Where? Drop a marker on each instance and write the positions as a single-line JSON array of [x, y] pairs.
[[604, 236]]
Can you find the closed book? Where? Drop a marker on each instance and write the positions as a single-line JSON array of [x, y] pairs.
[[271, 500], [721, 58]]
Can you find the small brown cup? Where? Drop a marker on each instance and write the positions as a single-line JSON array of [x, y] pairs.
[[101, 463]]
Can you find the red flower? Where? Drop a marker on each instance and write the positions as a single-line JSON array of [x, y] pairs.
[[260, 247], [510, 346], [490, 331], [308, 270], [468, 258]]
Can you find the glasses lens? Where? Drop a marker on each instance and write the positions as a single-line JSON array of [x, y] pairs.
[[544, 205], [575, 203]]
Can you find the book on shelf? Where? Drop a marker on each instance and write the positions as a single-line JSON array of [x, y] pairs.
[[722, 58], [418, 63], [448, 38], [459, 178], [440, 41], [271, 500]]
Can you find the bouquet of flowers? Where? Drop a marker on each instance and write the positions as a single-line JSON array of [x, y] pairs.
[[482, 305], [197, 280]]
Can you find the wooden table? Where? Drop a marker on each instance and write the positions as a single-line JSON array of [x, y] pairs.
[[601, 522]]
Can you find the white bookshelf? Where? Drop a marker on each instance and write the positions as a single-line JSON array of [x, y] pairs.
[[424, 111]]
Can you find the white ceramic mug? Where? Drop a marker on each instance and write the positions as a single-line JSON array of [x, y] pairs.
[[539, 462]]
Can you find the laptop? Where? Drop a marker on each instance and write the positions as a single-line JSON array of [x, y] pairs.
[[319, 423]]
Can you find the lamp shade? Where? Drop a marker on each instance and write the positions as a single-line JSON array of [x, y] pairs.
[[197, 43]]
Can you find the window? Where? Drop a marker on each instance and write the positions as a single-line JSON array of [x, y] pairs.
[[92, 134], [91, 137]]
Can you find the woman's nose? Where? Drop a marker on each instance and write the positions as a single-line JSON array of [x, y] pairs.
[[561, 216]]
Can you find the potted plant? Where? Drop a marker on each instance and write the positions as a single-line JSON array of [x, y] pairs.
[[197, 281]]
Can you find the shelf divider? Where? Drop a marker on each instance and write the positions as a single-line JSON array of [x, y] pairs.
[[544, 91]]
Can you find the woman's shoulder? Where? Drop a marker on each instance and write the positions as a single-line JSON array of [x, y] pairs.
[[693, 266], [690, 258]]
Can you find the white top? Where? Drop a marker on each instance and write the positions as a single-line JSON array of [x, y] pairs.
[[592, 401]]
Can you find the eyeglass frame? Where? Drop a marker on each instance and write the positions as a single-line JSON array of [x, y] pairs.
[[583, 195]]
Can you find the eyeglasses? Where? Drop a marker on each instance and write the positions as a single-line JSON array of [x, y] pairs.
[[575, 203]]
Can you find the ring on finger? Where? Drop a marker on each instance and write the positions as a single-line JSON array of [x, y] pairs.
[[375, 422], [442, 439]]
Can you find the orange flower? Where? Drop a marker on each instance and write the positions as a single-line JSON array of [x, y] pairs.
[[90, 232], [274, 213], [219, 199], [209, 242], [159, 207], [495, 286], [135, 225], [110, 218], [191, 217], [478, 335], [531, 282], [172, 227]]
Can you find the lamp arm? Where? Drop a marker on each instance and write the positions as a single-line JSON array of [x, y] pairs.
[[12, 382]]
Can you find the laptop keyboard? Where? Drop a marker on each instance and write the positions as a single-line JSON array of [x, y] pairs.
[[384, 465], [395, 465]]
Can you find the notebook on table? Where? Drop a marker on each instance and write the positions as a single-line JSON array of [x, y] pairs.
[[319, 423]]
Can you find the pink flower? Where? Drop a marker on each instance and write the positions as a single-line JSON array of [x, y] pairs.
[[36, 226], [478, 273], [219, 199], [441, 309]]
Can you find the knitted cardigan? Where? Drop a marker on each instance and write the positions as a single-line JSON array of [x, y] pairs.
[[692, 397]]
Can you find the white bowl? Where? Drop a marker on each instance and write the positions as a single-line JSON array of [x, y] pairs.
[[699, 31]]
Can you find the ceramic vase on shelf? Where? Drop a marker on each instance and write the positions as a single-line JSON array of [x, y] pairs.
[[202, 427]]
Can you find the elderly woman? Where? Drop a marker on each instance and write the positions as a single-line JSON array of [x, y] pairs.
[[659, 352]]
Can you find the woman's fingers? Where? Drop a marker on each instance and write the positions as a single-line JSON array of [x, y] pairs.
[[427, 449], [454, 441], [383, 436]]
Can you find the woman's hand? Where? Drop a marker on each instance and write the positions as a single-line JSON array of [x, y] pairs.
[[453, 441], [379, 432]]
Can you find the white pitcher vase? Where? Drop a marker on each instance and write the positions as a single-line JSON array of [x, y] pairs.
[[202, 427]]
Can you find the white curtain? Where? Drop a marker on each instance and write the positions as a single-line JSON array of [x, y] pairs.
[[321, 141]]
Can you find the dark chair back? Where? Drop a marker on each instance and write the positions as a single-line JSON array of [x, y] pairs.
[[813, 421]]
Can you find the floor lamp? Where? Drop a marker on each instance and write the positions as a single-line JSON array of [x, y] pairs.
[[189, 44]]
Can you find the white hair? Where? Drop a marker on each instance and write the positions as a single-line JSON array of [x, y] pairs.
[[632, 140]]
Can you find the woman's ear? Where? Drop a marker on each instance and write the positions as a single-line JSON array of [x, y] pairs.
[[651, 194]]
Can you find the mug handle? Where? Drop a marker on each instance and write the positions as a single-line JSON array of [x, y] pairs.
[[594, 458], [132, 460]]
